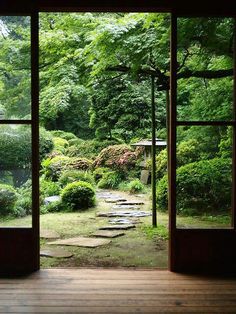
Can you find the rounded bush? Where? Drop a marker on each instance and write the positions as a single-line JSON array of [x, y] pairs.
[[60, 144], [46, 143], [78, 195], [69, 176], [8, 199], [64, 135], [203, 186], [48, 187]]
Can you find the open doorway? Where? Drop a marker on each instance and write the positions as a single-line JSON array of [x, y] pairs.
[[95, 112]]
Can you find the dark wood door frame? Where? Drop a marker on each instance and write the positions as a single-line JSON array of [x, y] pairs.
[[217, 246]]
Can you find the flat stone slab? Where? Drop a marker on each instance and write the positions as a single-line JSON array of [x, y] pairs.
[[48, 234], [55, 252], [131, 203], [51, 199], [115, 200], [108, 233], [117, 227], [121, 213], [82, 241], [123, 221], [125, 207]]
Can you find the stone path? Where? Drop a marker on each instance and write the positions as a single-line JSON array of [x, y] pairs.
[[82, 241], [123, 209], [108, 233]]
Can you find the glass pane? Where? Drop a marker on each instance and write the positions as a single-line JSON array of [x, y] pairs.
[[204, 177], [205, 69], [15, 175], [15, 67]]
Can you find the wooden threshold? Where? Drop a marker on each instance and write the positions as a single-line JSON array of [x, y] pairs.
[[116, 291]]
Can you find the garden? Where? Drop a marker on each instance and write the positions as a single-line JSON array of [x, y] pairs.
[[95, 104]]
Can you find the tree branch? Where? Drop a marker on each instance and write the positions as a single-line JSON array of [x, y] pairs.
[[207, 74]]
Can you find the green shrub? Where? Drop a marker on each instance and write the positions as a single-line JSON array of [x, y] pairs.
[[60, 144], [64, 135], [202, 187], [99, 172], [53, 167], [69, 176], [23, 205], [52, 207], [88, 148], [48, 187], [78, 195], [135, 186], [8, 199], [161, 164], [188, 151], [110, 180], [45, 143]]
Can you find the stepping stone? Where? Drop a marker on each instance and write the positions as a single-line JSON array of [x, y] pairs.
[[131, 203], [115, 200], [117, 227], [48, 234], [108, 234], [123, 221], [125, 207], [82, 241], [51, 199], [55, 252], [121, 213], [104, 194]]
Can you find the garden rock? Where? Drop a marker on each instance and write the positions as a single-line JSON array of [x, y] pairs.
[[48, 234], [51, 199], [115, 200], [55, 252], [117, 227], [123, 221], [82, 241], [108, 233]]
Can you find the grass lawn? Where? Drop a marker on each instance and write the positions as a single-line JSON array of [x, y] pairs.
[[139, 247]]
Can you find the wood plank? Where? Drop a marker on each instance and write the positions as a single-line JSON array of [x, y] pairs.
[[116, 291]]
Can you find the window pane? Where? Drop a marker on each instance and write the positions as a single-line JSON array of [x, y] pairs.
[[204, 176], [15, 67], [205, 69], [15, 175]]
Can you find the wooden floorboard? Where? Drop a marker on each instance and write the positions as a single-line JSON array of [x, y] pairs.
[[116, 291]]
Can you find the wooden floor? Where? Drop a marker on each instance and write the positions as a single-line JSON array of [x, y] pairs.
[[116, 291]]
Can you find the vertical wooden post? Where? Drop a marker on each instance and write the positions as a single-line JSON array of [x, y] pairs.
[[154, 206]]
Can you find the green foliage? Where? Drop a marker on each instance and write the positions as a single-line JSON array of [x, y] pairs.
[[60, 144], [64, 135], [8, 197], [87, 148], [188, 151], [135, 186], [78, 195], [160, 231], [69, 176], [23, 205], [118, 157], [110, 180], [45, 143], [52, 207], [203, 186], [99, 172], [53, 167], [48, 187]]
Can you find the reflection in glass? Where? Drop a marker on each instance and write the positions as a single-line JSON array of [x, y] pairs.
[[204, 176], [205, 69], [15, 173], [15, 81]]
